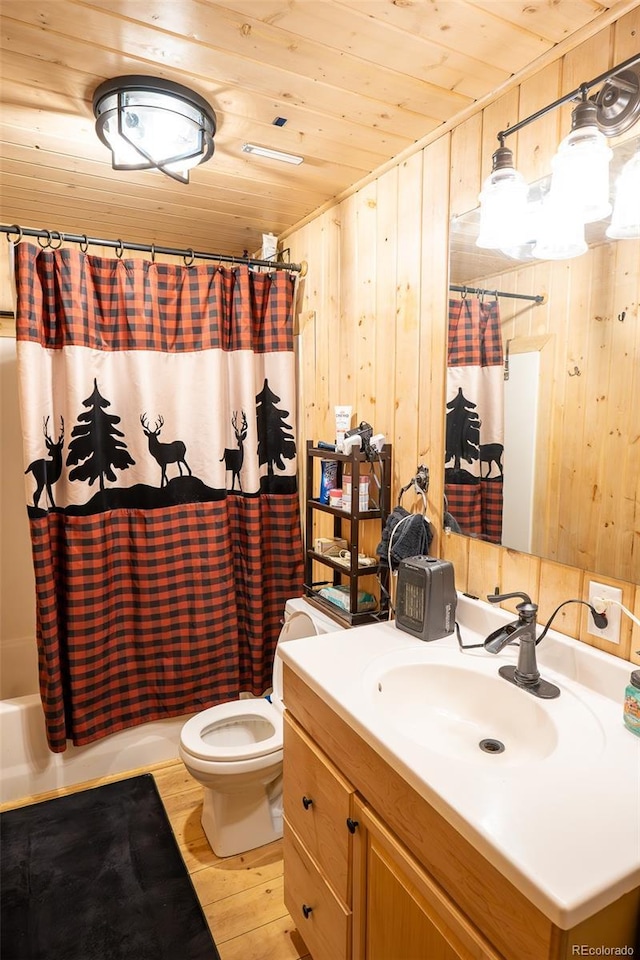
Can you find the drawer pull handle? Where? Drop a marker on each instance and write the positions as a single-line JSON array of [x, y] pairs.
[[307, 802], [352, 824], [307, 911]]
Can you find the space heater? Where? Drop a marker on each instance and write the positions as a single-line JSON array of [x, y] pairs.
[[426, 597]]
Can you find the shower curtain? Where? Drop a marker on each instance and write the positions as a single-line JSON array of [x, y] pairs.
[[157, 406], [475, 418]]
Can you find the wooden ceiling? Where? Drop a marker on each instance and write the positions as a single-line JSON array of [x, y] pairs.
[[358, 81]]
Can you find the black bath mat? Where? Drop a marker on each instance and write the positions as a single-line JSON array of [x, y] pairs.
[[98, 875]]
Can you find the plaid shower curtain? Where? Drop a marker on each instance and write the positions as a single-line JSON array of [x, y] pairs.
[[475, 418], [158, 406]]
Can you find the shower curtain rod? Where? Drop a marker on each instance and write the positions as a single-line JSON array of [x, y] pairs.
[[55, 239], [536, 298]]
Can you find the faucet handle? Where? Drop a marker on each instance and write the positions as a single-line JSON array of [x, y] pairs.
[[497, 597], [527, 610]]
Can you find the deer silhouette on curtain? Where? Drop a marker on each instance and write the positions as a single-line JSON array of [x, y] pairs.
[[159, 585]]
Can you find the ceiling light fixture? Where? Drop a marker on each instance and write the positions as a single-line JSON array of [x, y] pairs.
[[154, 124], [271, 154], [579, 191]]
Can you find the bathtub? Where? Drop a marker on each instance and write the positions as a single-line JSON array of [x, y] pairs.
[[27, 766]]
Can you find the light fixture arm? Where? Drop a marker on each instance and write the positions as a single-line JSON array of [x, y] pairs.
[[581, 91]]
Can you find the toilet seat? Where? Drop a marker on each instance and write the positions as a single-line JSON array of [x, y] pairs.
[[258, 734]]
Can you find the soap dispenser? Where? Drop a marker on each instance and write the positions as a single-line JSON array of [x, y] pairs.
[[632, 704]]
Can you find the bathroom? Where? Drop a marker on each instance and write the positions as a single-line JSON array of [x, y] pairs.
[[372, 333]]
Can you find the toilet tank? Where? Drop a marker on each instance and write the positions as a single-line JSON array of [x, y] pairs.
[[301, 619]]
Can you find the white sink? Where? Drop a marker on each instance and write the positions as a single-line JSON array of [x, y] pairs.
[[537, 809], [459, 706]]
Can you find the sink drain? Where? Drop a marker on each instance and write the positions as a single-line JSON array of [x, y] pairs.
[[489, 745]]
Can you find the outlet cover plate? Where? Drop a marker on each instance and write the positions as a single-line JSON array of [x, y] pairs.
[[603, 591]]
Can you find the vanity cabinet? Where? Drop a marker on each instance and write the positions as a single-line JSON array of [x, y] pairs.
[[348, 521], [317, 846], [406, 884]]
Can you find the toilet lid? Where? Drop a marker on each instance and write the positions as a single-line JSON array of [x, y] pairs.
[[297, 627], [240, 730]]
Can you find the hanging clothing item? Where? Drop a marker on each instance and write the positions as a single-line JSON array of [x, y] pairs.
[[157, 407], [408, 535], [475, 418]]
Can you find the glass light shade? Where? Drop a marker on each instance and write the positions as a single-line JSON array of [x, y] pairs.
[[561, 235], [525, 249], [151, 123], [503, 205], [580, 168], [625, 221]]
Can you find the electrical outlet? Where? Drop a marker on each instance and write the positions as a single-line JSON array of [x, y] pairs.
[[604, 592]]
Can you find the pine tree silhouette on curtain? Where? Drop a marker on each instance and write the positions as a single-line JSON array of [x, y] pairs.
[[95, 444], [463, 431], [275, 442]]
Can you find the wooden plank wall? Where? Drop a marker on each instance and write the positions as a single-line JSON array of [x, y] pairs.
[[373, 328]]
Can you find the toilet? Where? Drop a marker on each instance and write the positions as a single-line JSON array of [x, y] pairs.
[[235, 751]]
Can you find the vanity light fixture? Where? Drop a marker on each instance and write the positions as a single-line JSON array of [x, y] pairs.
[[625, 219], [579, 191], [271, 154], [503, 211], [580, 168], [561, 233], [153, 124]]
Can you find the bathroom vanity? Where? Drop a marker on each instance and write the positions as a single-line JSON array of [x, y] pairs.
[[379, 865]]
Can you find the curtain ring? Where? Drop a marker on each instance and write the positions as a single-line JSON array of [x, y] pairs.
[[119, 250], [464, 293], [18, 230], [48, 243], [55, 233], [189, 262], [84, 243], [153, 253], [495, 293]]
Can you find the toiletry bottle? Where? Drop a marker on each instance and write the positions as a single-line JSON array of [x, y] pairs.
[[632, 704]]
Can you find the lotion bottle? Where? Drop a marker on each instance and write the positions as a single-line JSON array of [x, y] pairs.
[[631, 714]]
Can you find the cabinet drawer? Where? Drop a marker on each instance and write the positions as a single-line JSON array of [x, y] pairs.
[[317, 806], [324, 923]]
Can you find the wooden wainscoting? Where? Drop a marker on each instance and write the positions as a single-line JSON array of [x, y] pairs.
[[242, 896]]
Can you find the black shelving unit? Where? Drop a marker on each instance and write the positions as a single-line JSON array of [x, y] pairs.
[[346, 524]]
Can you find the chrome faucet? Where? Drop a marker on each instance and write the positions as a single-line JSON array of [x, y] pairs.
[[526, 673]]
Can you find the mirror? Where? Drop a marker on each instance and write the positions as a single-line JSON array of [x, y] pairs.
[[571, 456]]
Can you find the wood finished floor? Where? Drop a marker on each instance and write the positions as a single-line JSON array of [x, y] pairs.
[[242, 896]]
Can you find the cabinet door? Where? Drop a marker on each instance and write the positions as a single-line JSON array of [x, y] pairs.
[[399, 911], [317, 805]]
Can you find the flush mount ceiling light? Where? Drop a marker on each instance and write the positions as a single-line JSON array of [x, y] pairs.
[[154, 124], [579, 191], [271, 154]]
